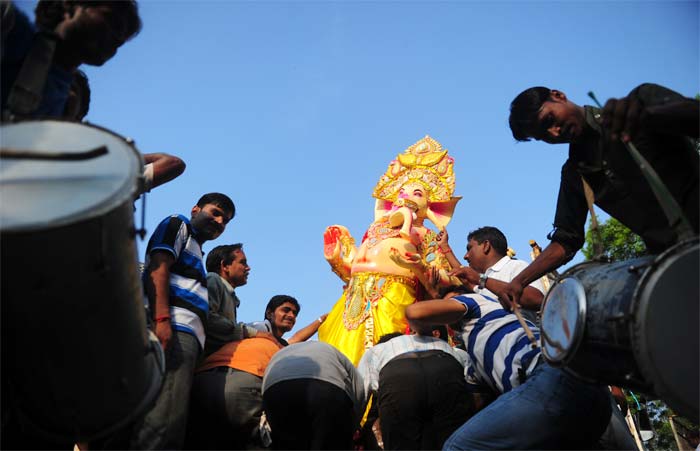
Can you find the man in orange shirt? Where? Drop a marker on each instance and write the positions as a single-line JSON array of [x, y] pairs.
[[226, 395]]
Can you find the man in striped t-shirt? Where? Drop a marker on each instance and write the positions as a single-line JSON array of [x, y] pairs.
[[176, 287], [539, 406]]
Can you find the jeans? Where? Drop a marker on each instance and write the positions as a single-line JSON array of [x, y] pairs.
[[551, 410], [226, 406], [163, 426]]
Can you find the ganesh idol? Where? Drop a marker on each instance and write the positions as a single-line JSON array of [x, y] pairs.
[[398, 261]]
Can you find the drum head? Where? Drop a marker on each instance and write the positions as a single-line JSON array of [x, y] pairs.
[[44, 193], [666, 327], [563, 320]]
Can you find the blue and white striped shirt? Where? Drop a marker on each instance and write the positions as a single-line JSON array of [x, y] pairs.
[[189, 300], [497, 345]]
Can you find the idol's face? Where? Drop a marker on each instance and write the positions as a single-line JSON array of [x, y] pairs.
[[416, 193]]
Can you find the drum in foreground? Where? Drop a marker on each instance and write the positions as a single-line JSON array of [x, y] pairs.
[[632, 324], [77, 361]]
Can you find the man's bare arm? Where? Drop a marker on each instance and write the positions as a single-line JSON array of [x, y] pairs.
[[308, 331], [550, 259], [159, 290]]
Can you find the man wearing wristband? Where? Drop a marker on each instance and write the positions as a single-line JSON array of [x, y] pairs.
[[491, 269], [175, 284]]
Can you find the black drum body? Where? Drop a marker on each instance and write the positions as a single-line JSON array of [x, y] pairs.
[[633, 324], [77, 359]]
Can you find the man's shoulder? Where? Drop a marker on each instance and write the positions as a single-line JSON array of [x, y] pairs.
[[651, 93], [213, 278], [174, 220]]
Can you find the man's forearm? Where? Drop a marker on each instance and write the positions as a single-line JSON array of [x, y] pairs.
[[681, 118], [306, 333], [161, 287], [552, 257]]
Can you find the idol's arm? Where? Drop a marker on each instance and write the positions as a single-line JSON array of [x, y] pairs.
[[339, 250]]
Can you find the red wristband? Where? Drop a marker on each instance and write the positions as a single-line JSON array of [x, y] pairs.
[[161, 319]]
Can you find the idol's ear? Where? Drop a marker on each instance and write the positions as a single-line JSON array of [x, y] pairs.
[[440, 213], [382, 207]]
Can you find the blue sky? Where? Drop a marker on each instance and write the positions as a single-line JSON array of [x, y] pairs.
[[294, 109]]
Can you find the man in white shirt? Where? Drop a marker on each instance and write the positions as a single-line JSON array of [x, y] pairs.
[[491, 269]]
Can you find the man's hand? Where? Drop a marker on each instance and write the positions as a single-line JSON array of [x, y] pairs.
[[164, 332], [443, 240], [511, 295], [467, 275], [623, 117]]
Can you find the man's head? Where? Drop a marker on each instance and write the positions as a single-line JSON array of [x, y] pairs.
[[230, 262], [545, 115], [90, 31], [282, 311], [485, 246], [211, 214], [78, 101]]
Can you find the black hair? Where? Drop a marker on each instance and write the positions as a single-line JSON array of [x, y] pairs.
[[278, 300], [389, 336], [461, 289], [80, 86], [492, 235], [220, 200], [523, 113], [49, 13], [221, 254]]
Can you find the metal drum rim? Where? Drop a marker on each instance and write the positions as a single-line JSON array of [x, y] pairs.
[[126, 192], [577, 338]]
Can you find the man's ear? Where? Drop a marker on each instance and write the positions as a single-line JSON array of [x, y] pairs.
[[487, 246], [195, 210], [557, 96]]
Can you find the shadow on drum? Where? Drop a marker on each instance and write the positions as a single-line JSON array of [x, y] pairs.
[[77, 358], [633, 324]]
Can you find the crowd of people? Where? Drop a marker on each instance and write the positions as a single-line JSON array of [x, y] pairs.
[[420, 352]]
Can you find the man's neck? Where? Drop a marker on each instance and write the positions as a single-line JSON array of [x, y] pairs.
[[492, 260]]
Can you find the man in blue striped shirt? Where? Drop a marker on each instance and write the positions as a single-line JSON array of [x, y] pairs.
[[175, 283], [539, 406]]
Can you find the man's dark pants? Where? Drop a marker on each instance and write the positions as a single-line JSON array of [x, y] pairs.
[[423, 398], [309, 414]]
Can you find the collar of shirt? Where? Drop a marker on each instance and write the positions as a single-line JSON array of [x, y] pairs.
[[498, 266], [228, 286], [588, 152]]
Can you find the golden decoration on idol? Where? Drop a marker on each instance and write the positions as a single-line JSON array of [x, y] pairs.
[[399, 260]]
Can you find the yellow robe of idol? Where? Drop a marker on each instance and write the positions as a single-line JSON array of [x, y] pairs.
[[372, 305]]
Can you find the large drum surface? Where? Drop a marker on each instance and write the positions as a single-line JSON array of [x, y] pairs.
[[633, 324], [77, 360]]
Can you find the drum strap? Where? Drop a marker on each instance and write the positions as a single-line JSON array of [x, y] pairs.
[[27, 91], [590, 199]]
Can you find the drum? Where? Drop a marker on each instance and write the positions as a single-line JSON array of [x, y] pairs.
[[77, 360], [633, 324]]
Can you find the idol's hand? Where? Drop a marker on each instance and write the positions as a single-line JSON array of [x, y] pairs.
[[331, 243], [409, 260]]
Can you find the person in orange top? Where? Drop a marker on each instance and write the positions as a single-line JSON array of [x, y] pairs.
[[226, 400]]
